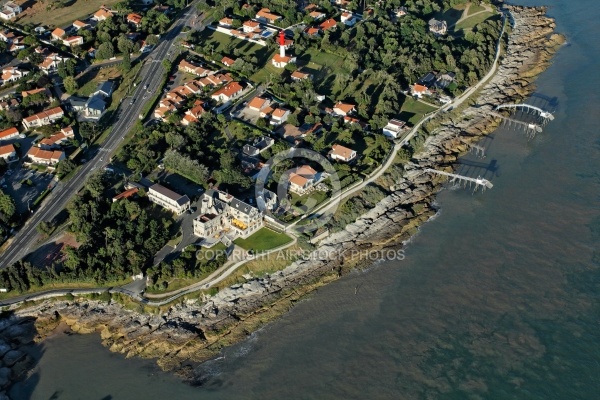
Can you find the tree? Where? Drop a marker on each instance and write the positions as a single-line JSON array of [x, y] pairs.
[[71, 84], [14, 115], [65, 166], [167, 65], [126, 65], [88, 130], [230, 173], [44, 228], [7, 207], [262, 123], [124, 45], [185, 166], [174, 140], [105, 51], [152, 40], [293, 120]]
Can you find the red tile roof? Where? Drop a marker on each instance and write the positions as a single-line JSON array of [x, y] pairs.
[[341, 151], [8, 133], [419, 88], [257, 102], [134, 18], [7, 149], [229, 90], [126, 194], [328, 24], [346, 108]]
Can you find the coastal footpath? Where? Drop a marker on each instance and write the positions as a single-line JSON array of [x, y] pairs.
[[194, 330]]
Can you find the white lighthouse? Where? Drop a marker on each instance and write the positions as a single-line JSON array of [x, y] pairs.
[[281, 44]]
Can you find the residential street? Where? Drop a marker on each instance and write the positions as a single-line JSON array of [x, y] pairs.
[[25, 239]]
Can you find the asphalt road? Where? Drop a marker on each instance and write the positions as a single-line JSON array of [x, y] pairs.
[[25, 239]]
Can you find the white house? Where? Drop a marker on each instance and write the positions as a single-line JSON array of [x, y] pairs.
[[168, 199], [400, 12], [226, 22], [250, 26], [102, 14], [299, 76], [12, 74], [419, 90], [279, 116], [8, 153], [104, 89], [10, 133], [45, 117], [134, 19], [77, 24], [265, 15], [228, 92], [347, 18], [302, 179], [10, 11], [393, 128], [191, 68], [94, 107], [341, 153], [13, 7], [51, 63], [258, 103], [343, 109], [317, 15], [7, 36], [193, 115], [279, 61], [58, 34], [73, 41], [38, 155]]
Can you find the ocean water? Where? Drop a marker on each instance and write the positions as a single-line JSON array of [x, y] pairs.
[[497, 298]]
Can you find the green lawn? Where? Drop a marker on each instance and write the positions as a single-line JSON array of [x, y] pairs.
[[225, 44], [450, 16], [323, 58], [89, 81], [37, 13], [413, 110], [310, 201], [470, 22], [475, 8], [264, 73], [205, 254], [264, 239]]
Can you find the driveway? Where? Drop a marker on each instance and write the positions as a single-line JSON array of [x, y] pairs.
[[186, 229]]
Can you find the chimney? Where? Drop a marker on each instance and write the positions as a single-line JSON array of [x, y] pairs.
[[281, 44]]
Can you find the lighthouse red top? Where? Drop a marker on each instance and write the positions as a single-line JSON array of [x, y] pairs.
[[281, 38]]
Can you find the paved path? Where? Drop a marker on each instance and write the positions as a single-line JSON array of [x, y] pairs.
[[220, 274]]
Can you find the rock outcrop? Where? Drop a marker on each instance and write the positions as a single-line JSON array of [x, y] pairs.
[[15, 333]]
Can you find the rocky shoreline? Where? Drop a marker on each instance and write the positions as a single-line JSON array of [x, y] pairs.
[[193, 331]]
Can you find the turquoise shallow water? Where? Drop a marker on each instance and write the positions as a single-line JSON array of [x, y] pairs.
[[498, 297]]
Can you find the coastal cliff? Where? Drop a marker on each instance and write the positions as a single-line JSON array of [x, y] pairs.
[[194, 330]]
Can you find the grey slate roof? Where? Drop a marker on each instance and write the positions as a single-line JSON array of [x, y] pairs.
[[169, 193]]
